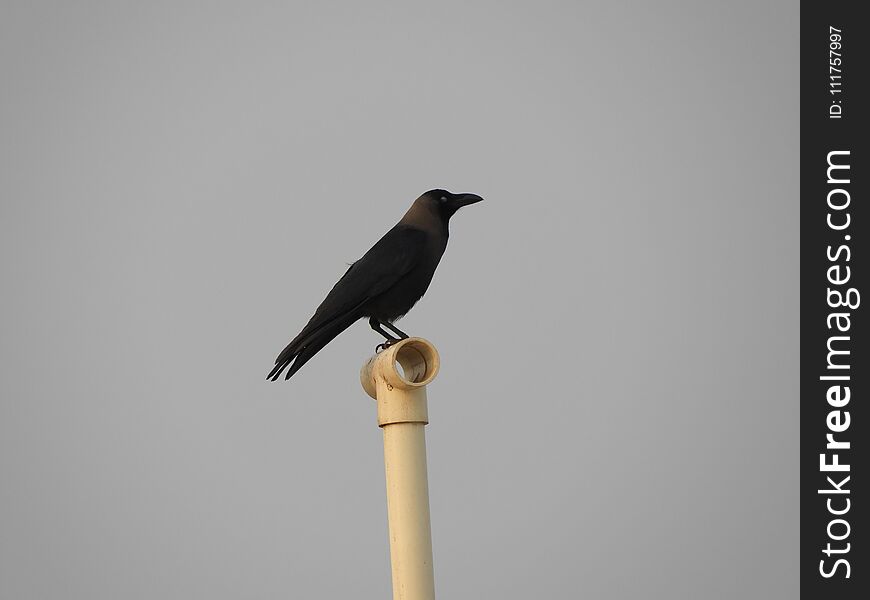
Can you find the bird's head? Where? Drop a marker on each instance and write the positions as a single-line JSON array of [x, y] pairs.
[[446, 204]]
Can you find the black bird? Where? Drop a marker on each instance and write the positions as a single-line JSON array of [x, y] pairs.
[[384, 284]]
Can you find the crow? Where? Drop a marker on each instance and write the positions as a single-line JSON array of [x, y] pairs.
[[384, 284]]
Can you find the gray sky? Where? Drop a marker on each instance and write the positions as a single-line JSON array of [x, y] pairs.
[[181, 183]]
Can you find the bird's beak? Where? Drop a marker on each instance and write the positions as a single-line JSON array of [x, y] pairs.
[[460, 200]]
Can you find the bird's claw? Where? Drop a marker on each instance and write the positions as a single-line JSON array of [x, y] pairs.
[[384, 346]]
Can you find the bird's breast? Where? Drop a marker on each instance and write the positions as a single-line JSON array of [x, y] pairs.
[[401, 297]]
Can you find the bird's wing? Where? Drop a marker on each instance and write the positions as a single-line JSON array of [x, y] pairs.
[[377, 271], [393, 256]]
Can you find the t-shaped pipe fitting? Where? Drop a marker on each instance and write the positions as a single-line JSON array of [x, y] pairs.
[[381, 377]]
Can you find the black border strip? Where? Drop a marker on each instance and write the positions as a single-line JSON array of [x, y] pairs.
[[834, 260]]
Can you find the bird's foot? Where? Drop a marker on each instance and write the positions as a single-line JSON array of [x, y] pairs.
[[384, 346]]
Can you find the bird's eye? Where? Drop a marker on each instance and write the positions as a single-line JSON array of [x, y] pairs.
[[443, 198]]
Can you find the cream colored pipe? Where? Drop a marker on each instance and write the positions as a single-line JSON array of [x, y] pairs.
[[402, 414]]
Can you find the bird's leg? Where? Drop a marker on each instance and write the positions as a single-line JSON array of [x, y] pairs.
[[376, 325], [396, 330]]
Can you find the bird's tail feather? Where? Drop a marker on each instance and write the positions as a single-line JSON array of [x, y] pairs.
[[307, 344]]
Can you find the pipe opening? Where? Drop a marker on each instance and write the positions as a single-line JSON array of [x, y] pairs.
[[416, 362]]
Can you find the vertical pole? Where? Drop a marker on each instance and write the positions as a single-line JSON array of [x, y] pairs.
[[403, 415]]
